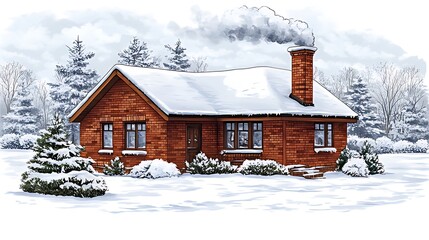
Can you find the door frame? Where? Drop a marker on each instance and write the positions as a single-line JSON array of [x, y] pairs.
[[200, 136]]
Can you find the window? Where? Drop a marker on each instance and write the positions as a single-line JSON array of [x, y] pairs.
[[243, 135], [323, 135], [257, 135], [135, 136], [107, 135], [230, 135]]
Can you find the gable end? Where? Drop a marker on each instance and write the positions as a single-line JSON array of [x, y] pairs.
[[95, 97]]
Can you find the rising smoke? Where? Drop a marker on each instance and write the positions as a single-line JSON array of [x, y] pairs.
[[256, 24]]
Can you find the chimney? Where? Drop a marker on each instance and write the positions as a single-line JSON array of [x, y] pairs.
[[302, 74]]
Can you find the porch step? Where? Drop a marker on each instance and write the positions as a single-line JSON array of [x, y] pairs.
[[307, 172]]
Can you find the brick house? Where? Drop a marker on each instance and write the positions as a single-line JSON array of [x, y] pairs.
[[262, 112]]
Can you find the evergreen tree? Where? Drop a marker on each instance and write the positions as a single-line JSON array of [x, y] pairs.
[[57, 168], [137, 54], [344, 157], [360, 101], [415, 124], [178, 60], [371, 159], [24, 117], [76, 80]]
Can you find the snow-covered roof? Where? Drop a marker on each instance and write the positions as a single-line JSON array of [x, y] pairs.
[[249, 91]]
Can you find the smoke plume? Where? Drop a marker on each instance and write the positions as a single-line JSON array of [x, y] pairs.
[[256, 24]]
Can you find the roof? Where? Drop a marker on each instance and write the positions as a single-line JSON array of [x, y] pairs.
[[248, 91]]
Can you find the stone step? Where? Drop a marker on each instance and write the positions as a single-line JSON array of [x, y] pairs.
[[316, 175]]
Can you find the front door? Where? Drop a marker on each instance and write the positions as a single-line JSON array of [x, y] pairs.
[[193, 141]]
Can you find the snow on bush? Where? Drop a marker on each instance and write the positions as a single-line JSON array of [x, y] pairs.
[[421, 146], [356, 143], [386, 145], [116, 167], [344, 157], [10, 141], [201, 164], [356, 167], [403, 146], [383, 145], [262, 167], [371, 159], [157, 168], [28, 141]]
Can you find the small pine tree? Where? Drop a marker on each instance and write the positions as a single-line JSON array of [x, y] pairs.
[[57, 168], [344, 157], [178, 60], [371, 159], [137, 54], [116, 167]]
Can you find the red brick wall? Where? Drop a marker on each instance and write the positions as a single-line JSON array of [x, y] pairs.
[[302, 75], [299, 141], [273, 140], [121, 104]]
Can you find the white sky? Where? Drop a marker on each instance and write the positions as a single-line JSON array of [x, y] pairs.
[[399, 22]]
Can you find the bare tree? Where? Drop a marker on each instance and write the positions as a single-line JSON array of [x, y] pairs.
[[388, 92], [414, 89], [11, 75], [200, 64], [43, 103]]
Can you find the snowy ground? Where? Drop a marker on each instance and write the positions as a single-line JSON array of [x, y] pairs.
[[226, 206]]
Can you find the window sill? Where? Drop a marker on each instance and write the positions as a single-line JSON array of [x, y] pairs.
[[105, 151], [325, 149], [134, 152], [242, 151]]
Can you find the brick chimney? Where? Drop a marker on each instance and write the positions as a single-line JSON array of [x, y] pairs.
[[302, 74]]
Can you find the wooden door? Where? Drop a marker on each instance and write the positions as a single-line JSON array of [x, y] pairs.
[[193, 141]]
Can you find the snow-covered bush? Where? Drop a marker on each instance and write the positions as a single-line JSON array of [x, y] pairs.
[[421, 146], [116, 167], [201, 164], [10, 141], [356, 143], [356, 167], [262, 167], [371, 159], [58, 169], [383, 145], [27, 141], [157, 168], [344, 157], [403, 146]]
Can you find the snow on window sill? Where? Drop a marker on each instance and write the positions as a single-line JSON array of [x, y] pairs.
[[242, 151], [105, 151], [134, 152], [326, 149]]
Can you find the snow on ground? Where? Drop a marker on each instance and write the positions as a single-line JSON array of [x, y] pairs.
[[226, 206]]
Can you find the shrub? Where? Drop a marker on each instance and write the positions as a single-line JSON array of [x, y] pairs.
[[421, 146], [157, 168], [371, 159], [356, 143], [27, 141], [356, 167], [383, 145], [345, 155], [262, 167], [10, 141], [116, 167], [403, 146], [201, 164]]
